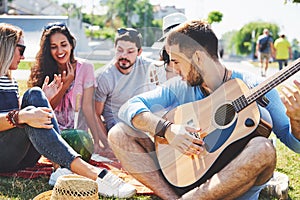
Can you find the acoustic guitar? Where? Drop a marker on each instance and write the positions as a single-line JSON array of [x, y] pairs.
[[228, 118]]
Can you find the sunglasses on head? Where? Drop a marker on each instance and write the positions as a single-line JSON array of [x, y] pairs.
[[21, 49], [131, 32], [50, 25]]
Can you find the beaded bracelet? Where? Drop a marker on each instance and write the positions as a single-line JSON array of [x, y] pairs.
[[161, 128], [13, 118]]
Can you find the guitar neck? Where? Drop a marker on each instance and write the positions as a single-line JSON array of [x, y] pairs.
[[267, 85]]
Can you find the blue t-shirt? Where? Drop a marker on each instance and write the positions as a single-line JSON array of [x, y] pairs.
[[177, 92], [265, 39]]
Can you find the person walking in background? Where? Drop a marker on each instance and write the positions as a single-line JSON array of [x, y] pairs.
[[283, 51], [126, 75], [55, 60], [29, 128], [264, 50]]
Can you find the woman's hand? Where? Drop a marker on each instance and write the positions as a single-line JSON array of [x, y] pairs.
[[53, 88], [37, 117], [68, 76], [184, 139]]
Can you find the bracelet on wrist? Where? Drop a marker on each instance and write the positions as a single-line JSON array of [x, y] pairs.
[[13, 118], [162, 127]]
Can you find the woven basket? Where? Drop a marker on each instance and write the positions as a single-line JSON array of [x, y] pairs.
[[71, 187]]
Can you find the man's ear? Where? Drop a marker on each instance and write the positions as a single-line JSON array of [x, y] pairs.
[[140, 51], [197, 56]]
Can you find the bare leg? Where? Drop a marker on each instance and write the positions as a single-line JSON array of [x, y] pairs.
[[266, 66], [136, 152], [253, 166], [261, 66], [82, 168]]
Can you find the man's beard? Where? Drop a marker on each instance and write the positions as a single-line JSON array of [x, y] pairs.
[[124, 66], [194, 77]]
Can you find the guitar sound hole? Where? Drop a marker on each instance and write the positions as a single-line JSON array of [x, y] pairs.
[[225, 114]]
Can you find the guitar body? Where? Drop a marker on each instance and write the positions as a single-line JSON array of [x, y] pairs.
[[225, 133]]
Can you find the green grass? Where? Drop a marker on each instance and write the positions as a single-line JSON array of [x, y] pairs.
[[14, 188], [27, 65], [18, 188], [271, 65], [288, 162]]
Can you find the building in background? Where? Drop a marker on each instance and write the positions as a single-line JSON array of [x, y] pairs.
[[34, 7], [3, 6], [160, 12], [32, 15]]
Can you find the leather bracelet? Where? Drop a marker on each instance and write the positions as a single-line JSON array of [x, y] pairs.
[[13, 118], [161, 128]]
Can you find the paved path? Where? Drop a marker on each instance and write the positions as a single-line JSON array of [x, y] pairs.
[[245, 65]]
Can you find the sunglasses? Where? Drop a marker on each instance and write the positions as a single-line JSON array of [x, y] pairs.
[[50, 25], [21, 49], [132, 32]]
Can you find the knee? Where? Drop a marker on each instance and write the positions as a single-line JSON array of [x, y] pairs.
[[265, 149], [117, 133], [34, 91], [36, 97]]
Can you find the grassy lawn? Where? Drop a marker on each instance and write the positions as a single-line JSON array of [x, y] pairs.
[[14, 188], [272, 64], [27, 65]]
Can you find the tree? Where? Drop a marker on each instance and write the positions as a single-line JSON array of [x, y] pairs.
[[293, 1], [132, 13], [127, 10], [214, 16], [246, 37], [228, 44]]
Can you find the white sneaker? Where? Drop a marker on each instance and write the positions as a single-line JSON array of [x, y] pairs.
[[111, 185], [278, 186], [58, 172]]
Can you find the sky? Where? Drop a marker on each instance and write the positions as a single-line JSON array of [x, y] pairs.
[[236, 13]]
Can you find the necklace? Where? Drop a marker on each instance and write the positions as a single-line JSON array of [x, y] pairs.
[[225, 75]]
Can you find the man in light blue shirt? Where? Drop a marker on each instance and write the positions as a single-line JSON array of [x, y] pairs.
[[192, 47]]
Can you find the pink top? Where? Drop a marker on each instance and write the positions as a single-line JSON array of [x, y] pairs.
[[65, 111]]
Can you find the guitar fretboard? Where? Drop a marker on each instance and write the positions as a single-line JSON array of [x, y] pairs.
[[270, 83]]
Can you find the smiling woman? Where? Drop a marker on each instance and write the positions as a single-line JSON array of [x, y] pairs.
[[29, 127], [71, 81]]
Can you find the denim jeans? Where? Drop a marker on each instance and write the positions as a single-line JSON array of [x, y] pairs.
[[282, 62], [22, 147]]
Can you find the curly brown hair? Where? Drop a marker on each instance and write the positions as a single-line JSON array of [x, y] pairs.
[[45, 65]]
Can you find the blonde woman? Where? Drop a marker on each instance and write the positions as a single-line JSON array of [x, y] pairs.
[[31, 130]]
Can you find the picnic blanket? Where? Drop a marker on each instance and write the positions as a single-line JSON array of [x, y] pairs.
[[44, 168]]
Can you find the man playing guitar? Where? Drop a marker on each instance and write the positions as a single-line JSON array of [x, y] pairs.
[[206, 122]]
